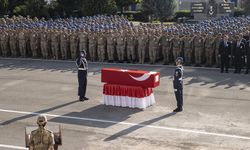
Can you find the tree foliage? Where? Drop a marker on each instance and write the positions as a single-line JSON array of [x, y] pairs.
[[3, 7], [123, 3], [159, 9]]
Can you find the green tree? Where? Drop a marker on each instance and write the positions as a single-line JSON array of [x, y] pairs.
[[3, 7], [69, 7], [93, 7], [36, 8], [124, 3], [247, 8], [159, 9]]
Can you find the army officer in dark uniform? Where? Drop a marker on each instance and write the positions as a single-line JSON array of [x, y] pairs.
[[82, 65], [178, 84]]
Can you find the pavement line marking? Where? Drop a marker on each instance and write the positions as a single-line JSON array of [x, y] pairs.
[[13, 147], [111, 64], [133, 124]]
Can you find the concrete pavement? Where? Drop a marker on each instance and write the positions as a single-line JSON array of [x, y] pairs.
[[216, 108]]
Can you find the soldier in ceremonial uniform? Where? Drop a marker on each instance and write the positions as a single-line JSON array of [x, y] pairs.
[[178, 84], [225, 53], [82, 65], [41, 138], [238, 54]]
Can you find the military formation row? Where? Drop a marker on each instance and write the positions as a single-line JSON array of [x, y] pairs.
[[113, 38]]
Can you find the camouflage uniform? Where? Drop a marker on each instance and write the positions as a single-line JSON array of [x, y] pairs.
[[13, 43], [73, 45], [64, 41], [121, 47], [198, 50], [55, 44], [176, 43], [111, 42], [34, 44], [22, 43], [153, 48], [92, 46], [188, 50], [101, 41], [166, 48], [4, 43], [209, 50], [142, 47], [131, 43], [44, 44]]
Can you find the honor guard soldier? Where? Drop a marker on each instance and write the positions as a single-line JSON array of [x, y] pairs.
[[82, 65], [41, 138], [178, 84], [225, 53]]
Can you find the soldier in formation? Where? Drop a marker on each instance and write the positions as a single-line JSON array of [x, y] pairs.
[[114, 38]]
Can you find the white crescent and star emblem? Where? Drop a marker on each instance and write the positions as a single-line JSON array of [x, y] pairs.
[[144, 77]]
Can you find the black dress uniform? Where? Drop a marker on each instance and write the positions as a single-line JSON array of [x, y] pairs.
[[247, 57], [225, 52], [238, 53], [82, 65], [178, 87]]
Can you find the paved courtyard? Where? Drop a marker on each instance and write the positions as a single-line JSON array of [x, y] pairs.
[[216, 109]]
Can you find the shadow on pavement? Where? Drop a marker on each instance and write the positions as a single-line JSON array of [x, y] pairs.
[[35, 113], [136, 127], [90, 117]]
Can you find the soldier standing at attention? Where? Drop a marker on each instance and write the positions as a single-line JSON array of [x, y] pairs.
[[22, 43], [142, 46], [101, 46], [44, 44], [82, 65], [4, 42], [166, 47], [198, 49], [121, 46], [41, 138], [13, 43], [131, 46], [188, 47], [111, 43], [178, 84], [225, 53], [64, 44], [92, 46]]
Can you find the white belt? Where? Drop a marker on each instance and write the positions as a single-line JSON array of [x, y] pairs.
[[81, 69]]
